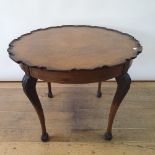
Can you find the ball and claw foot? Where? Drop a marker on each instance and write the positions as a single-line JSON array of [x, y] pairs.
[[50, 95], [108, 136], [99, 94], [45, 137]]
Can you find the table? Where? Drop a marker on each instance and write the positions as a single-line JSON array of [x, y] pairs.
[[75, 54]]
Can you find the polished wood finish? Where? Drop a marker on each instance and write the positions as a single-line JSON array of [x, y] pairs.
[[74, 47], [75, 55], [123, 82], [29, 87], [77, 76]]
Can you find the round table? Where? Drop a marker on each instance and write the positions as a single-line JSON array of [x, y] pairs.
[[75, 54]]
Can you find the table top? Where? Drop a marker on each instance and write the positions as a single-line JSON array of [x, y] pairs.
[[74, 47]]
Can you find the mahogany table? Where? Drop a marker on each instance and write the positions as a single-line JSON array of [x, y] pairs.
[[75, 55]]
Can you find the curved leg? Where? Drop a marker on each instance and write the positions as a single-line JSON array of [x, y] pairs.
[[99, 93], [50, 95], [123, 82], [29, 87]]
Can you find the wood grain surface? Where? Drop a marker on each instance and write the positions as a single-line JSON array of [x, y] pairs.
[[74, 47]]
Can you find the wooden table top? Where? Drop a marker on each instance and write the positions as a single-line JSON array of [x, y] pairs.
[[74, 47]]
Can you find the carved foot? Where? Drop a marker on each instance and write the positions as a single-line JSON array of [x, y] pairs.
[[99, 94], [29, 87], [108, 136], [45, 137], [50, 94], [123, 85]]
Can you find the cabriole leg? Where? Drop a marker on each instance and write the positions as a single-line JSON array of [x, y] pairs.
[[50, 94], [99, 93], [123, 85], [29, 87]]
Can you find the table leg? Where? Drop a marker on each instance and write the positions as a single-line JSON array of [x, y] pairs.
[[29, 87], [50, 94], [99, 93], [123, 85]]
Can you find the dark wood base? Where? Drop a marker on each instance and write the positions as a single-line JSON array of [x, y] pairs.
[[50, 94], [29, 87], [77, 77], [123, 85]]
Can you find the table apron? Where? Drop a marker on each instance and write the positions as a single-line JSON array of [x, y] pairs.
[[77, 76]]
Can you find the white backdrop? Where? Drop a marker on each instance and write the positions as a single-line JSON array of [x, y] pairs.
[[136, 17]]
